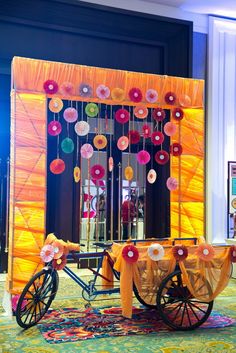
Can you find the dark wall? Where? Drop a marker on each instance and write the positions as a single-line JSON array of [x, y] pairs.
[[81, 33]]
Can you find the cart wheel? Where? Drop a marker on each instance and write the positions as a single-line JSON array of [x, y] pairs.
[[89, 297], [177, 307], [145, 300], [36, 297]]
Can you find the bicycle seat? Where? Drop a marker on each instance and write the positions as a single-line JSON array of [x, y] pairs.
[[103, 245]]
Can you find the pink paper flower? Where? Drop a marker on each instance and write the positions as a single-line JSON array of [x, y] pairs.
[[122, 116], [123, 143], [176, 149], [54, 128], [171, 183], [130, 254], [50, 87], [86, 151], [135, 95], [151, 176], [158, 114], [157, 138], [66, 89], [97, 171], [70, 115], [143, 157], [170, 128], [151, 95], [103, 92], [205, 252], [162, 157], [47, 253]]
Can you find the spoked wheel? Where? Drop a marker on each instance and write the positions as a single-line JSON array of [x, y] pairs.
[[36, 297], [145, 299], [177, 307]]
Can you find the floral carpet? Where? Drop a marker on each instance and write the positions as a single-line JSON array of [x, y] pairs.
[[217, 340], [72, 324]]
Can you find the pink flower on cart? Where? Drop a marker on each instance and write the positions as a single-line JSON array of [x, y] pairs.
[[178, 114], [170, 98], [130, 254], [205, 252], [67, 88], [180, 252], [156, 252], [151, 95], [85, 90], [47, 253], [135, 95], [232, 252]]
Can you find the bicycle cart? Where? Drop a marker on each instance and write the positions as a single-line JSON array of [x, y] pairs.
[[178, 277]]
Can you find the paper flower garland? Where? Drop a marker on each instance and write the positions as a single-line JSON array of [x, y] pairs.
[[151, 95], [122, 116], [60, 263], [123, 143], [171, 183], [50, 87], [130, 254], [66, 89], [54, 128], [76, 174], [156, 252], [91, 110], [97, 172], [55, 105], [82, 128], [141, 112], [158, 114], [134, 137], [232, 253], [170, 128], [170, 98], [47, 253], [157, 138], [178, 114], [110, 164], [180, 252], [118, 94], [129, 173], [151, 176], [205, 252], [85, 90], [143, 157], [176, 149], [67, 145], [86, 151], [57, 166], [146, 131], [100, 141], [103, 92], [70, 115], [162, 157], [135, 95]]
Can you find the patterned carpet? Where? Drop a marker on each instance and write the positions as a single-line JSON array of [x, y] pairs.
[[222, 340]]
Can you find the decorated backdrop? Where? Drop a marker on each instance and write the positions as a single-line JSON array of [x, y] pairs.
[[39, 87]]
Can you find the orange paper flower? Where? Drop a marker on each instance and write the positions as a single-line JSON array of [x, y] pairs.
[[205, 252]]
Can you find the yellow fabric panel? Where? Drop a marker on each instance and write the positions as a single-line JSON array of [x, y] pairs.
[[30, 75], [27, 187], [190, 216]]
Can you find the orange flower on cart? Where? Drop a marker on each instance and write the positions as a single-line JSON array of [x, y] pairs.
[[205, 252]]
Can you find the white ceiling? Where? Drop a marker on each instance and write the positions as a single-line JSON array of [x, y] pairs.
[[225, 8]]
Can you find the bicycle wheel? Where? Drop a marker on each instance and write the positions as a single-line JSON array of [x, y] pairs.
[[177, 307], [36, 297], [145, 300]]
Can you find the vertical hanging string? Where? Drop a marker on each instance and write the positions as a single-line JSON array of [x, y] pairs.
[[179, 177], [112, 178], [82, 110], [88, 207]]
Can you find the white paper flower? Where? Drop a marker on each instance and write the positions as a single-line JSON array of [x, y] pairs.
[[156, 252]]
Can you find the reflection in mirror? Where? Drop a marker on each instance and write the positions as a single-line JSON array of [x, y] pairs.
[[93, 201], [132, 212]]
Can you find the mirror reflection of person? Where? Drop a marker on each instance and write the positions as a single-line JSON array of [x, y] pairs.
[[100, 209], [141, 206], [127, 214]]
